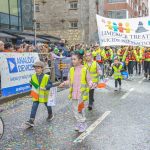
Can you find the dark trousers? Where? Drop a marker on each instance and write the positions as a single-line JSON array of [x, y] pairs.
[[35, 107], [130, 67], [91, 97], [117, 81], [147, 67], [138, 67]]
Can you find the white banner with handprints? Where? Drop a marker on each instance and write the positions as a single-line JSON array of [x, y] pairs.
[[133, 31]]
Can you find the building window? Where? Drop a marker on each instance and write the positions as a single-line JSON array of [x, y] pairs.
[[37, 8], [135, 7], [117, 14], [73, 5], [116, 1], [10, 14], [38, 26], [74, 24]]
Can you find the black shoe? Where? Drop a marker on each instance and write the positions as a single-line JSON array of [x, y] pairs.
[[146, 76], [90, 108], [30, 123], [50, 117]]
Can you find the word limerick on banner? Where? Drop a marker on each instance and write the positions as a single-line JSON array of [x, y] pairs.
[[133, 31]]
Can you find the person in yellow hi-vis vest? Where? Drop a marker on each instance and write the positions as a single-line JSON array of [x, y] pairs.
[[79, 81], [109, 54], [41, 85], [99, 56], [121, 52], [116, 71], [138, 65], [95, 72], [130, 57], [146, 58]]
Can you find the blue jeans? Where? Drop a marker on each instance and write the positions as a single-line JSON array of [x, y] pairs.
[[35, 107]]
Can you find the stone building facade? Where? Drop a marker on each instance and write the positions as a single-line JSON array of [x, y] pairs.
[[73, 20]]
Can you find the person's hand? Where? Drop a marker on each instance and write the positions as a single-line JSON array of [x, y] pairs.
[[43, 89], [61, 85]]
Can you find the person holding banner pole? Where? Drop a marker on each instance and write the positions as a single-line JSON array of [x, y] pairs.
[[41, 85], [79, 81]]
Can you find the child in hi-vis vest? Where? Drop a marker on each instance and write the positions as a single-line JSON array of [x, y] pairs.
[[79, 81], [116, 71], [41, 85], [95, 71]]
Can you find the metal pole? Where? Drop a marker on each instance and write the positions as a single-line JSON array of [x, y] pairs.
[[34, 20], [61, 70]]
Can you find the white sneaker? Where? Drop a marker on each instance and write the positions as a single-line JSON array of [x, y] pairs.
[[77, 127], [82, 127], [116, 89]]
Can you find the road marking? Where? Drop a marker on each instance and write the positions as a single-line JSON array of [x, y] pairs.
[[125, 95], [91, 128]]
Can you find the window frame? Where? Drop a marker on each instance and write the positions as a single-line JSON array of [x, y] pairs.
[[117, 1], [38, 25], [73, 3], [37, 6], [72, 23], [115, 14]]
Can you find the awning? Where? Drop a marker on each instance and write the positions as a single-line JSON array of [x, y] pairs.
[[5, 35], [49, 38], [31, 38]]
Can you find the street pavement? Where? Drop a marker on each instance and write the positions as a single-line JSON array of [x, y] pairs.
[[126, 127]]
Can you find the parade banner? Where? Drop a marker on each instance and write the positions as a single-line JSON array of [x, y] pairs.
[[133, 31], [16, 71]]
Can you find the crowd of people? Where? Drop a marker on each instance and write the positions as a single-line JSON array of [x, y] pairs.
[[84, 76], [87, 69]]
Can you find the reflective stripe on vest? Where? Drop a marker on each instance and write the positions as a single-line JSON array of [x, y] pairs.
[[84, 87], [93, 71], [43, 95], [117, 73]]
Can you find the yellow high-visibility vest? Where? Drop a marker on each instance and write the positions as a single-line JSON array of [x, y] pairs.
[[84, 89], [93, 71], [117, 73], [43, 94]]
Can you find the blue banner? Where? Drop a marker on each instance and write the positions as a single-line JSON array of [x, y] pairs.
[[16, 89]]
